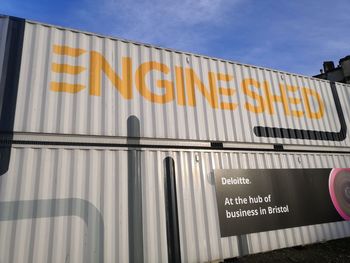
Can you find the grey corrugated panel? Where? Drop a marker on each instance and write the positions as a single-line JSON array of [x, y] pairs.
[[41, 110], [98, 180]]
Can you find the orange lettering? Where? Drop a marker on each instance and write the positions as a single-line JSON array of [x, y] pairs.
[[213, 78], [193, 81], [258, 98], [65, 68], [98, 63], [66, 87], [271, 98], [140, 81], [309, 113], [295, 101], [180, 88]]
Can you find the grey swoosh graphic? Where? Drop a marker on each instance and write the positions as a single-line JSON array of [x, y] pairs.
[[17, 210]]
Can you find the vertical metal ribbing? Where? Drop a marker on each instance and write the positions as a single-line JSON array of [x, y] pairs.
[[242, 244], [172, 224], [9, 76], [34, 209], [134, 192]]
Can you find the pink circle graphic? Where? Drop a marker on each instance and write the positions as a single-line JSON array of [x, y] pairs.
[[332, 191]]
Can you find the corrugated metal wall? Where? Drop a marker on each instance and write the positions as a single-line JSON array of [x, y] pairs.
[[54, 199], [42, 110], [71, 203]]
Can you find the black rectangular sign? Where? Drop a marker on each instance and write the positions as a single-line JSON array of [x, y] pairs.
[[256, 200]]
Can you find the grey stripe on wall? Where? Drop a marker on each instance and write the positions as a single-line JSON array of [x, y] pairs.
[[172, 223], [134, 192], [10, 69], [29, 209]]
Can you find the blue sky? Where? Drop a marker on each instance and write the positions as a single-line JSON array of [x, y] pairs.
[[294, 36]]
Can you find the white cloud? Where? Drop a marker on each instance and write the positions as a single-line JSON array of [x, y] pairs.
[[167, 11], [166, 23]]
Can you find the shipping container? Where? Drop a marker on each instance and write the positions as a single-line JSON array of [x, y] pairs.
[[110, 149], [70, 204], [77, 83]]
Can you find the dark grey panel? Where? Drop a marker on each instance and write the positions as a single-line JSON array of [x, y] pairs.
[[172, 222], [134, 192], [257, 200], [11, 63]]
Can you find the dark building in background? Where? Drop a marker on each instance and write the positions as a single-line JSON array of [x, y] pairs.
[[341, 73]]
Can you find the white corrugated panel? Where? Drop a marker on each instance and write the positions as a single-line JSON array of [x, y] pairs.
[[94, 177], [94, 102], [54, 196]]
